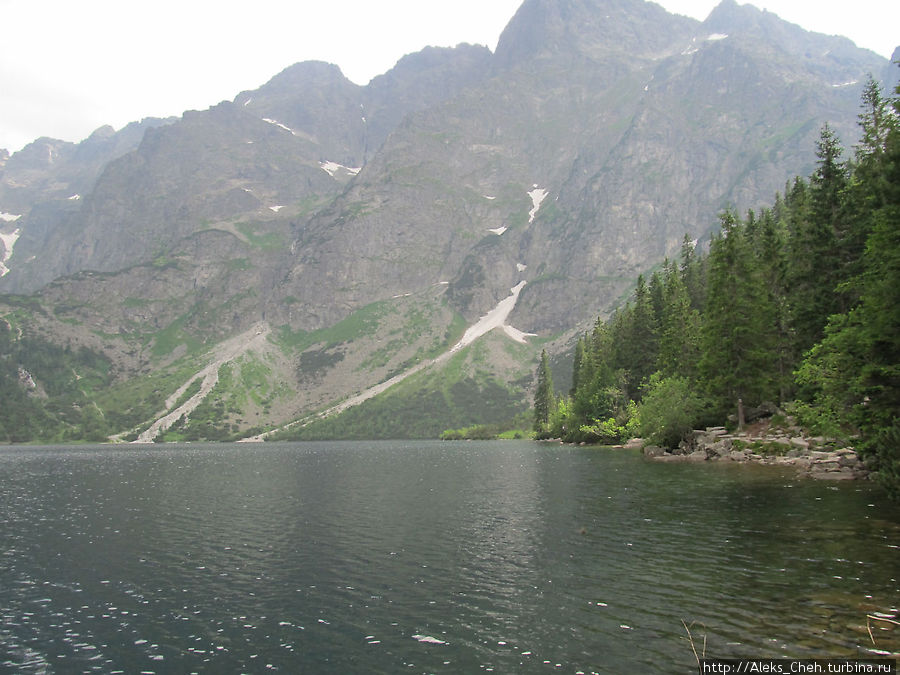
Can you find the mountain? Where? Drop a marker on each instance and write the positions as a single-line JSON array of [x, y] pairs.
[[362, 230]]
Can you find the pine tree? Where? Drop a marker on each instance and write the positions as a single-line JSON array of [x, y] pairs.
[[639, 347], [767, 240], [876, 122], [544, 398], [692, 273], [656, 291], [578, 365], [814, 247], [679, 331], [867, 190], [737, 334]]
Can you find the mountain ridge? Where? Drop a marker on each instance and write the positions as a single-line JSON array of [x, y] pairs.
[[370, 225]]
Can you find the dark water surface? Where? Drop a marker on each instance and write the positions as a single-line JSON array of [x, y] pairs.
[[428, 557]]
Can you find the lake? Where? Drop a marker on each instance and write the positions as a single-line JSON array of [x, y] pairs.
[[429, 557]]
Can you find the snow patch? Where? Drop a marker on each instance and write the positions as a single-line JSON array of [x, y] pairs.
[[247, 102], [331, 168], [489, 197], [717, 36], [276, 208], [496, 318], [845, 84], [8, 240], [537, 197], [517, 335], [277, 124], [498, 230], [9, 217], [74, 198], [520, 267]]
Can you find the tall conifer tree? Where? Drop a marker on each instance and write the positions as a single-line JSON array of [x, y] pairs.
[[544, 398], [737, 323]]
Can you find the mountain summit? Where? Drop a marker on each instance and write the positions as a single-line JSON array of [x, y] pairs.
[[363, 229]]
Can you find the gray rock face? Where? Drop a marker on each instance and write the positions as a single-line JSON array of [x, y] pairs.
[[575, 157]]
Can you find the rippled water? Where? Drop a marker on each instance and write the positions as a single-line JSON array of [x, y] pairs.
[[428, 557]]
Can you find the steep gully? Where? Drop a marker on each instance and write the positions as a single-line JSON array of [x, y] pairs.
[[233, 348]]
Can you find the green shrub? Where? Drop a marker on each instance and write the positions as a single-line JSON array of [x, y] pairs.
[[669, 410]]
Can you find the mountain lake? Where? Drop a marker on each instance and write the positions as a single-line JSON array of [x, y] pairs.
[[430, 557]]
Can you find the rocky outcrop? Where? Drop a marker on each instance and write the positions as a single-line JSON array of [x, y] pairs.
[[815, 457]]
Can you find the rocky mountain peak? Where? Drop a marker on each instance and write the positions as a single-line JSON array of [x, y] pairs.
[[106, 131], [40, 154], [833, 58], [306, 74], [589, 28]]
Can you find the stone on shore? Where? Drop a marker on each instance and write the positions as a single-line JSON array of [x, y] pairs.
[[773, 447]]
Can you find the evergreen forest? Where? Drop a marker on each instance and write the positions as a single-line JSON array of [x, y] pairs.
[[796, 306]]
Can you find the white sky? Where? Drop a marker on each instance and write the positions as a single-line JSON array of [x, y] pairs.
[[70, 66]]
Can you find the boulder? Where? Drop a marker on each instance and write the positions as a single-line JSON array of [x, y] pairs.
[[719, 449], [654, 451], [850, 461]]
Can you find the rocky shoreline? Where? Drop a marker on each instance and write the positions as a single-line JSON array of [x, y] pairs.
[[815, 457]]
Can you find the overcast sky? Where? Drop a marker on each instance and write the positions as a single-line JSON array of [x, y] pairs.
[[70, 66]]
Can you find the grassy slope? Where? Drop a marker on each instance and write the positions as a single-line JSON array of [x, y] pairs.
[[467, 389]]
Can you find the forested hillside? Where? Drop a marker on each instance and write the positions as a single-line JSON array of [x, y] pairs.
[[796, 305]]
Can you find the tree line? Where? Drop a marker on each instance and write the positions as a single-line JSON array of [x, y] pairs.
[[797, 305]]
